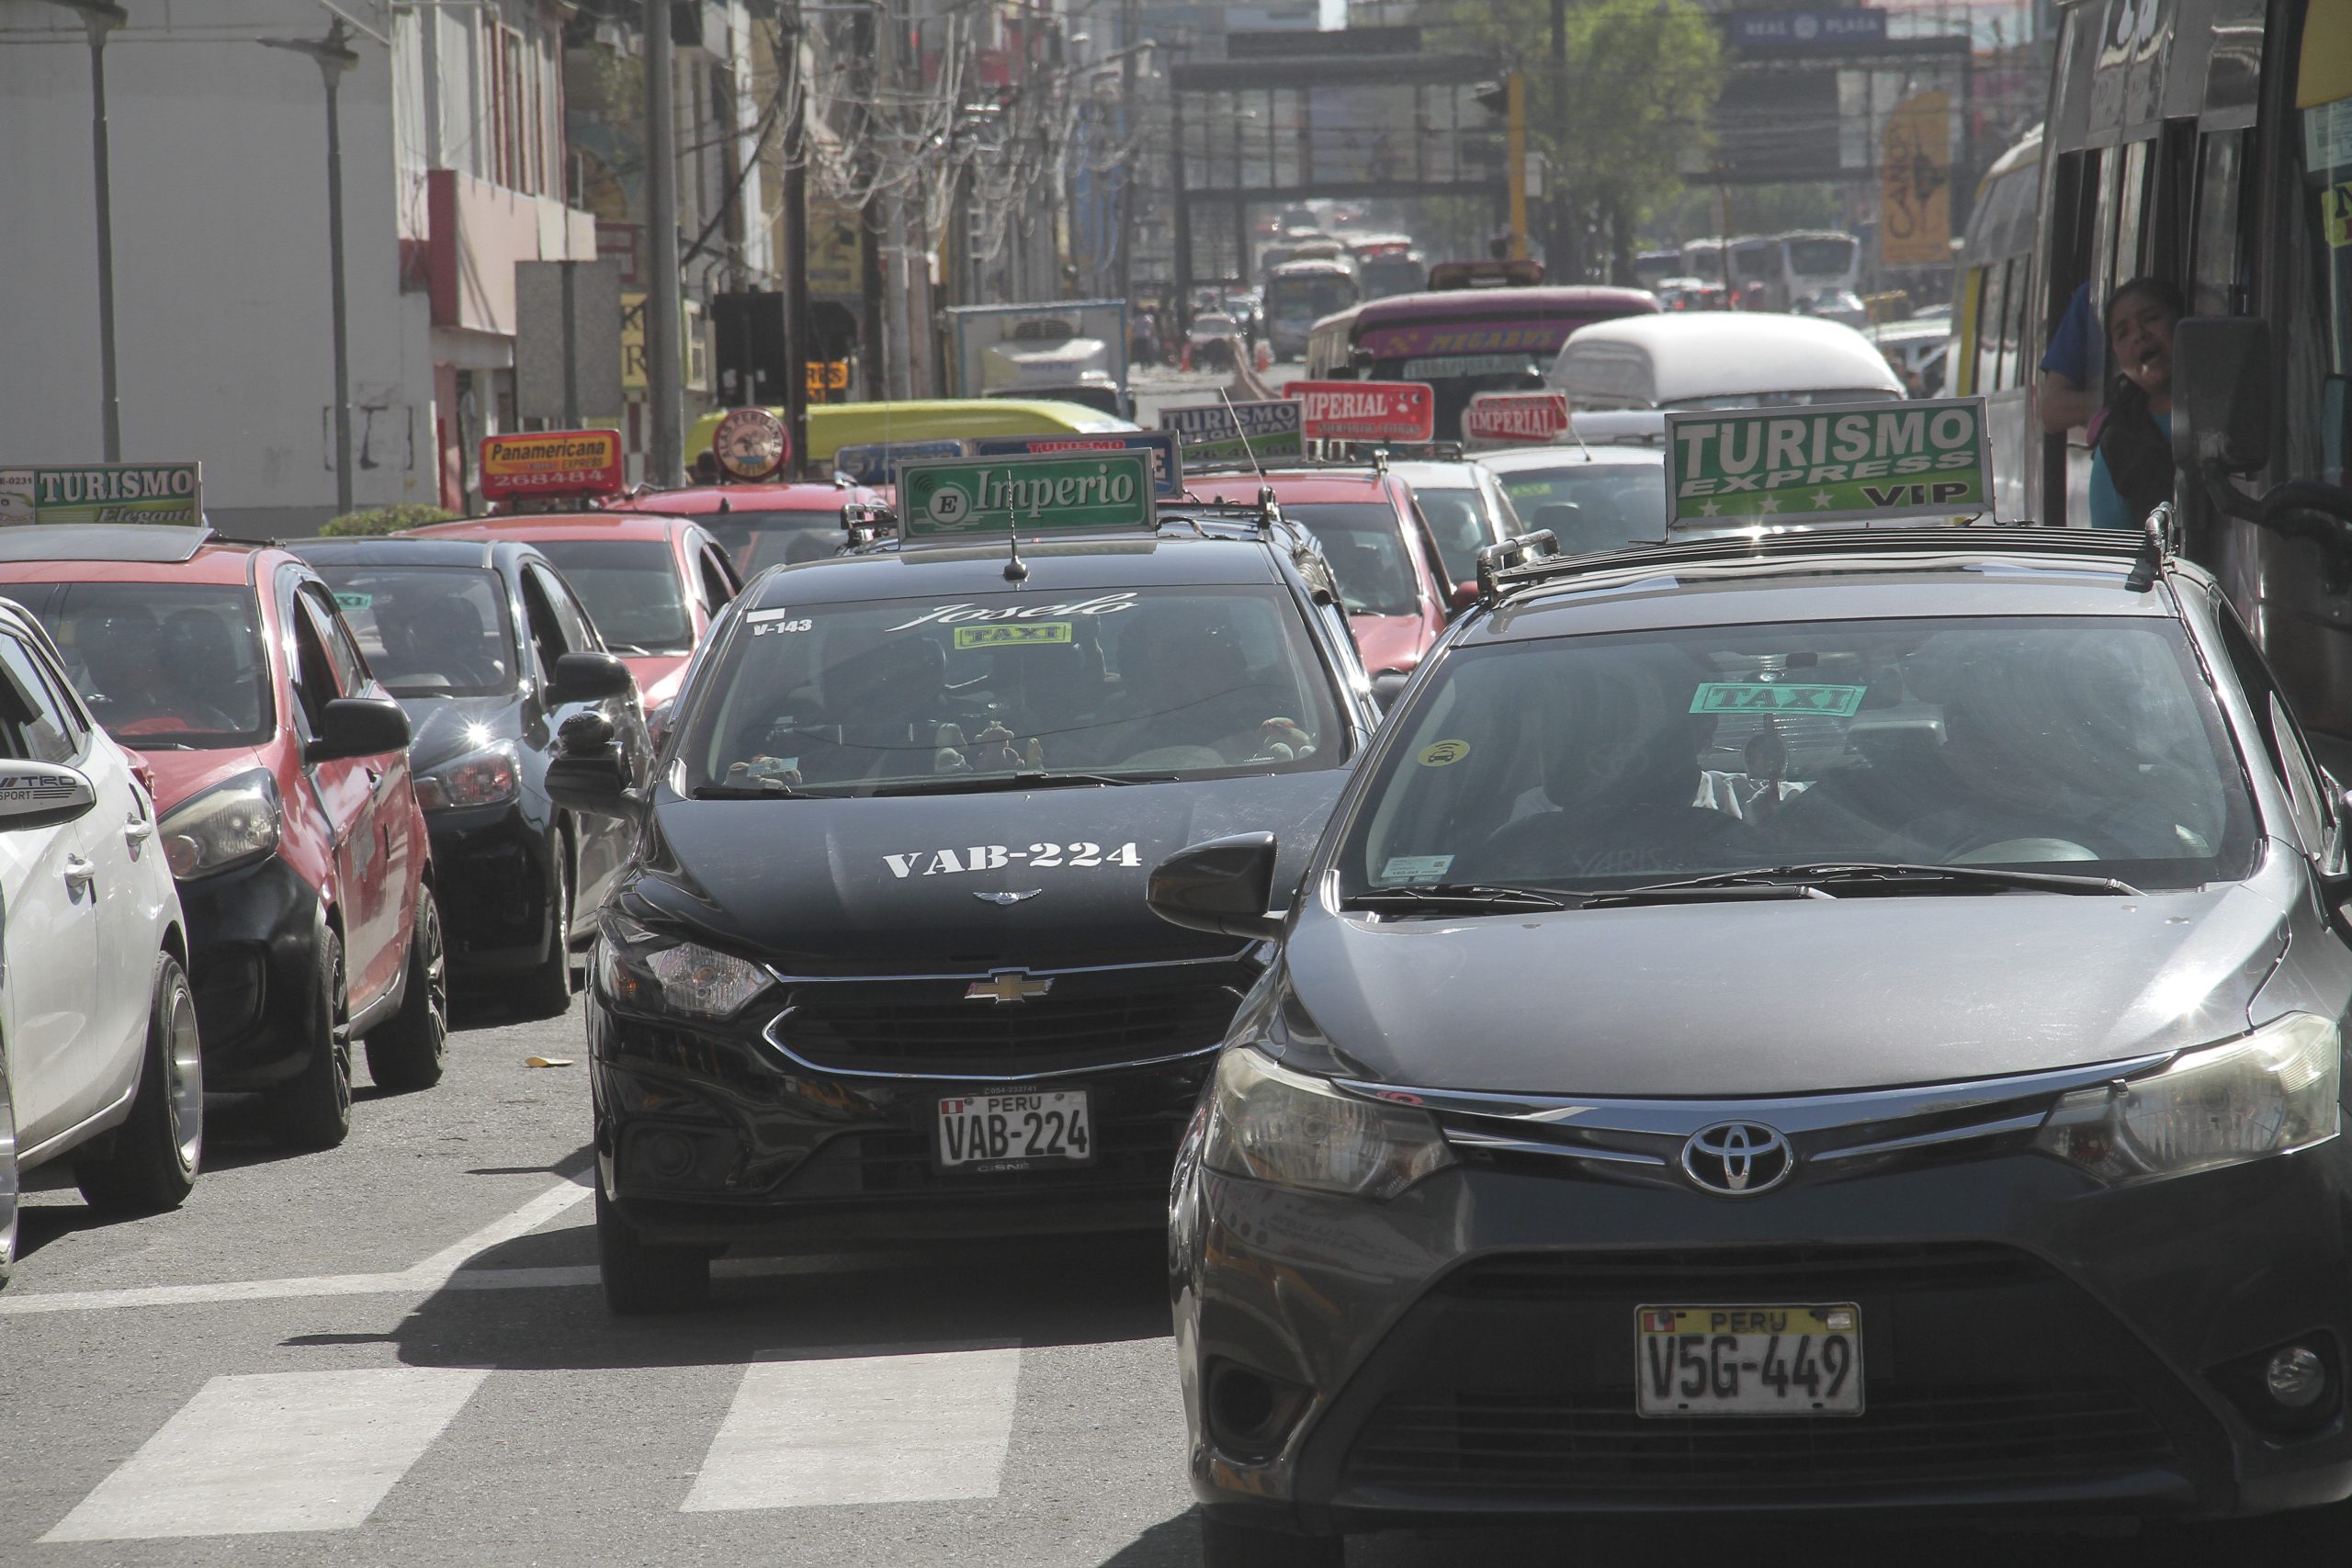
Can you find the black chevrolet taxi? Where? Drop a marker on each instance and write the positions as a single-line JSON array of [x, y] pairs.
[[880, 967]]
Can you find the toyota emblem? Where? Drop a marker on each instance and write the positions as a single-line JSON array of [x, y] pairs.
[[1738, 1160]]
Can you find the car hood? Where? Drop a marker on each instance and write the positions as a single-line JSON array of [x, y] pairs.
[[819, 886], [180, 774], [444, 728], [1389, 642], [1787, 996]]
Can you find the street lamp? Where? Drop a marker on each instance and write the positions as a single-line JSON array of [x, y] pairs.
[[334, 56], [101, 18]]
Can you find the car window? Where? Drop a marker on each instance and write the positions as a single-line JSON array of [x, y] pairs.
[[632, 590], [845, 697], [2081, 744], [1457, 520], [314, 679], [428, 630], [166, 664], [1591, 506], [718, 584], [580, 635], [758, 540], [2289, 754], [37, 728], [1364, 541], [350, 670]]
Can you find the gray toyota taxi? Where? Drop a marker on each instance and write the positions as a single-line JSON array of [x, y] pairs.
[[1847, 1023]]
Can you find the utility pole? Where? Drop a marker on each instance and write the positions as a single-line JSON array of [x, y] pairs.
[[1562, 261], [1130, 18], [800, 327], [665, 460], [333, 55], [100, 18], [896, 366]]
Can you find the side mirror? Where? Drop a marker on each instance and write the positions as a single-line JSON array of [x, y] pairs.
[[358, 726], [588, 678], [1388, 685], [2221, 402], [583, 735], [1223, 886], [43, 794], [598, 784]]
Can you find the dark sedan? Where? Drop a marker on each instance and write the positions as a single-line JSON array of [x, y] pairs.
[[488, 650]]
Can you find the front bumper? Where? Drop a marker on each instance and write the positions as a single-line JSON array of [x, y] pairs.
[[2032, 1342], [253, 963], [492, 865]]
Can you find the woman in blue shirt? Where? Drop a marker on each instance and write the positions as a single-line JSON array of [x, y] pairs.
[[2132, 441]]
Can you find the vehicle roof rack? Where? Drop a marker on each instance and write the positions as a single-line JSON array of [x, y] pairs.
[[872, 525], [1527, 561], [1377, 461]]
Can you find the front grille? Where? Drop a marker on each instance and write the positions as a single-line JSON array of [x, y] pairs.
[[1089, 1019], [1504, 1443], [1736, 1274]]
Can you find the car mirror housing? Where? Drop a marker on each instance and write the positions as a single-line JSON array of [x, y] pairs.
[[43, 794], [1223, 886], [584, 735], [588, 678], [597, 783], [1388, 685], [358, 726]]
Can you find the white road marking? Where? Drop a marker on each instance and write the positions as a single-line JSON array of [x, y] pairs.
[[555, 1200], [272, 1452], [927, 1425]]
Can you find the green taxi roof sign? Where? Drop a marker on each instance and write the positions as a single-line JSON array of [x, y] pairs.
[[1830, 463], [1058, 493]]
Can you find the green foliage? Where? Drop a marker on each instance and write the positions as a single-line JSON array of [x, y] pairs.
[[384, 520]]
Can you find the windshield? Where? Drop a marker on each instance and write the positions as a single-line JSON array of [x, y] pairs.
[[1385, 275], [1163, 682], [1820, 258], [758, 540], [1457, 521], [1364, 541], [2078, 745], [1591, 506], [165, 665], [1308, 298], [632, 590], [428, 631]]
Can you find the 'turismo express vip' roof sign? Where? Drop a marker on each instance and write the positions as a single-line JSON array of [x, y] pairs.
[[1367, 411], [103, 492], [1215, 432], [963, 499], [1828, 464]]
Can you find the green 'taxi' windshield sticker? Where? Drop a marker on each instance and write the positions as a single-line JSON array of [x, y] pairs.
[[1015, 635], [354, 600], [1744, 696]]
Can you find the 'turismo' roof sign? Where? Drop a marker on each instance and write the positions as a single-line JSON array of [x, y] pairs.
[[1028, 495], [103, 492], [1831, 463]]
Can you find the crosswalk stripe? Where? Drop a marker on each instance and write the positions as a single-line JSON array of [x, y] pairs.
[[845, 1427], [274, 1451]]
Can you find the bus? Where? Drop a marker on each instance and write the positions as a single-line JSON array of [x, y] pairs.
[[1703, 259], [1300, 293], [1792, 265], [1462, 342], [1387, 264], [1988, 353], [2210, 142], [1654, 268]]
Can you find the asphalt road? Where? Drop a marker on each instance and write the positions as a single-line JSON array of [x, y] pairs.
[[395, 1354]]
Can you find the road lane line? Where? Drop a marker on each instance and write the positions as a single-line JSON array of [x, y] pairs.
[[269, 1452], [555, 1200], [840, 1427]]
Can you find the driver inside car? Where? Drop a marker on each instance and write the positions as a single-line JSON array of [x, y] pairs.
[[1186, 685]]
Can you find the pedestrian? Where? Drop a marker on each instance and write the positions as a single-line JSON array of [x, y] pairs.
[[2132, 466]]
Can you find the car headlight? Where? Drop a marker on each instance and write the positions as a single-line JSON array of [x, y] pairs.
[[492, 776], [231, 824], [651, 971], [1298, 1130], [2270, 1092]]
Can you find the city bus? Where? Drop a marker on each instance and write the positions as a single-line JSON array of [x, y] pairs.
[[1462, 342], [1792, 265], [1989, 353], [1300, 293], [2210, 142]]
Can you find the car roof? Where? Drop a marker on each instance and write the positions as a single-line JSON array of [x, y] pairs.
[[1568, 454], [396, 549], [143, 543], [700, 502], [1731, 353], [1432, 473], [1291, 486], [1095, 564], [558, 525]]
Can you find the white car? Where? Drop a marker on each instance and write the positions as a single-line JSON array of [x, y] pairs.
[[98, 1062], [1597, 495]]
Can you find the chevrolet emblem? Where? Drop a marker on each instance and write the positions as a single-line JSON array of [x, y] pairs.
[[1007, 986]]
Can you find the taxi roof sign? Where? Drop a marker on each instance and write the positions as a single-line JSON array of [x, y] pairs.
[[544, 463], [975, 497], [1830, 463], [751, 444]]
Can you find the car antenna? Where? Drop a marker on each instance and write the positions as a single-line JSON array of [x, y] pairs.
[[1577, 433], [1015, 570], [1247, 450]]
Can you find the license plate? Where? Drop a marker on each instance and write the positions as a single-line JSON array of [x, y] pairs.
[[1028, 1130], [1748, 1360]]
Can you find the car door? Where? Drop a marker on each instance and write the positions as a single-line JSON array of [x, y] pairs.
[[601, 842], [61, 1062], [345, 790], [396, 854]]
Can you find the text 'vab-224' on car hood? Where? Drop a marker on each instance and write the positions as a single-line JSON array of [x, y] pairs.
[[1782, 997], [821, 883]]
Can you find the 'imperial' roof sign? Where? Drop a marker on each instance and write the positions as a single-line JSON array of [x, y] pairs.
[[1098, 489], [1827, 463]]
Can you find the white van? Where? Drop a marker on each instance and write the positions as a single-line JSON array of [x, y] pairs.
[[1720, 359]]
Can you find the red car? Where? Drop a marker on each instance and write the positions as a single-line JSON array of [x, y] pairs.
[[283, 798], [764, 525], [1396, 594], [651, 584]]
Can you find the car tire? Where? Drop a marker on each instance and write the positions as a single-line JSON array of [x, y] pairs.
[[408, 1051], [640, 1279], [1225, 1544], [150, 1162], [9, 1183], [547, 989], [312, 1111]]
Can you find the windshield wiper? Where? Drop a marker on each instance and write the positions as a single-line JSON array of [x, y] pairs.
[[1456, 898], [975, 783], [1892, 876]]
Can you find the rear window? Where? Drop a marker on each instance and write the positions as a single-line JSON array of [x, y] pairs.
[[1592, 506], [429, 631], [632, 590], [1364, 541], [165, 666], [757, 540]]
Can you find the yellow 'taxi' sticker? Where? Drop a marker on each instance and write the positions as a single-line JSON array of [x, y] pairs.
[[1013, 634], [1445, 753]]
